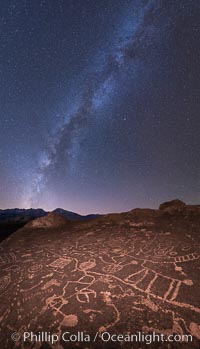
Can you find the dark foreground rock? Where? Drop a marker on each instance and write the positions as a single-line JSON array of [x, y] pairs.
[[135, 273]]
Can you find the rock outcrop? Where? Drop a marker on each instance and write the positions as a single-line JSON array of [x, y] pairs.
[[173, 205], [52, 220], [178, 208]]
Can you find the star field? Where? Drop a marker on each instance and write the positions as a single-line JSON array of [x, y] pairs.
[[99, 104]]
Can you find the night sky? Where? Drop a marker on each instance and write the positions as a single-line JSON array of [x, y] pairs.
[[100, 103]]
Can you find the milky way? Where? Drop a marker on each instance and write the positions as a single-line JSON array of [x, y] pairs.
[[106, 118]]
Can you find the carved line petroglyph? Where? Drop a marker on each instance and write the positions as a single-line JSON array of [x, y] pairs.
[[7, 258], [4, 282], [179, 304]]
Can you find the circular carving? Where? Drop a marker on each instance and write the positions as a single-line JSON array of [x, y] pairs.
[[35, 268]]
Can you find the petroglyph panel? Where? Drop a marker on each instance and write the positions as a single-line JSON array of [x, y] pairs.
[[99, 277]]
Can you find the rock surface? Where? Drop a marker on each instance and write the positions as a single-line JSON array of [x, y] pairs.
[[122, 273]]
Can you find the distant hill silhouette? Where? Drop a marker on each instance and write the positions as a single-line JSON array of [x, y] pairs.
[[72, 216], [18, 214]]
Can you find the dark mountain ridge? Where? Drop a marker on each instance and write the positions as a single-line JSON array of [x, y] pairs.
[[17, 214]]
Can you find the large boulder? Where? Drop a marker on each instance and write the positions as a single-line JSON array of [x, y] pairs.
[[52, 220], [172, 206]]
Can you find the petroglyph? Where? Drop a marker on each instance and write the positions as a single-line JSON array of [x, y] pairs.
[[60, 263], [70, 320], [6, 258], [4, 282], [87, 265], [35, 268]]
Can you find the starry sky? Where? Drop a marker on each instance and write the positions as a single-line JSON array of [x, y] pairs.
[[100, 103]]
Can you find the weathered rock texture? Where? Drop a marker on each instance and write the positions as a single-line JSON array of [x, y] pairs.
[[121, 273]]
